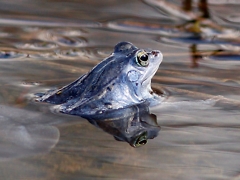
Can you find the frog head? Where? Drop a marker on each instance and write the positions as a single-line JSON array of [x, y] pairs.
[[141, 67]]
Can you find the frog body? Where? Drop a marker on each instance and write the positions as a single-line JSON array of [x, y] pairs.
[[120, 80]]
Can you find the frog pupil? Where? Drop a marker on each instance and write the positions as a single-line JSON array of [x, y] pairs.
[[144, 57]]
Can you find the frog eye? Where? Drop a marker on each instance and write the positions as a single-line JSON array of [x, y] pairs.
[[142, 58]]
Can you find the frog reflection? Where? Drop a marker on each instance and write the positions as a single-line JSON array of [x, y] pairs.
[[133, 124]]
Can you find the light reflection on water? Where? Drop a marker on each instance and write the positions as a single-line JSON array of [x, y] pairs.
[[199, 136]]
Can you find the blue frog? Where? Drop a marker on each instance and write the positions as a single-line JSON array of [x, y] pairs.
[[120, 80]]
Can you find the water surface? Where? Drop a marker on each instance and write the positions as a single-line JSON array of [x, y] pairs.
[[48, 44]]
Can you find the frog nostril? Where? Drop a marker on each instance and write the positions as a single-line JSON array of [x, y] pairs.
[[155, 53]]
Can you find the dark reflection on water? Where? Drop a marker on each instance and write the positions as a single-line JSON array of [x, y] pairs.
[[47, 44], [133, 124]]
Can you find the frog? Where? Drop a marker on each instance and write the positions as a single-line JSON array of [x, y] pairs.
[[120, 80]]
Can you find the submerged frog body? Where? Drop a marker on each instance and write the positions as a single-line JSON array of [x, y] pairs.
[[122, 79]]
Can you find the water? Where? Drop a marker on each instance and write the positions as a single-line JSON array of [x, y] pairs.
[[47, 44]]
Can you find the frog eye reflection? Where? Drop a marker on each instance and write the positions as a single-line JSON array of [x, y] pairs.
[[140, 140], [142, 58]]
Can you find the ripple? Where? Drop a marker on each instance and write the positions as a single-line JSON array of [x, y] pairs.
[[62, 40], [46, 56], [28, 84], [30, 29], [98, 52], [225, 62], [192, 40], [214, 2], [133, 25], [230, 47], [8, 55], [225, 56], [67, 32], [103, 52], [71, 53], [73, 42], [37, 46], [4, 34], [171, 10], [235, 18], [91, 53], [53, 23]]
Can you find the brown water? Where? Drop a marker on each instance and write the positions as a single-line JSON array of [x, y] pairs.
[[48, 44]]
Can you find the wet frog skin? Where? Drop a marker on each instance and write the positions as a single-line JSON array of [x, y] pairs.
[[120, 80]]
